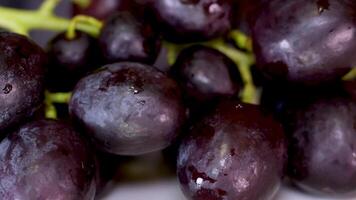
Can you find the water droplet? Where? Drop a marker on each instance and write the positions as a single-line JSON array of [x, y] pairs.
[[239, 106], [7, 89], [215, 8], [135, 90]]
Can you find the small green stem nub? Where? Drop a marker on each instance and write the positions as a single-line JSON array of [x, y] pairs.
[[82, 3], [351, 75], [82, 19]]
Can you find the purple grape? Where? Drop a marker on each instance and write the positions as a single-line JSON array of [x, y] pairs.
[[46, 160], [22, 69], [129, 108], [234, 153]]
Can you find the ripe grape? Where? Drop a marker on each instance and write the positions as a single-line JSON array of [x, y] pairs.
[[350, 87], [234, 153], [206, 75], [22, 66], [192, 20], [307, 42], [46, 160], [70, 59], [129, 108], [127, 38], [322, 146]]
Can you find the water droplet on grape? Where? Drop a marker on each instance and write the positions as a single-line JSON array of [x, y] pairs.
[[215, 8]]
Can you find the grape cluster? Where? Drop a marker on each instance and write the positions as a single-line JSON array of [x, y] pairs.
[[99, 71]]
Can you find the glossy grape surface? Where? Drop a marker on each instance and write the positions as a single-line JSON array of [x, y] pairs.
[[46, 160], [192, 20], [205, 74], [22, 67], [70, 60], [235, 153], [306, 42], [127, 38], [322, 146], [129, 108]]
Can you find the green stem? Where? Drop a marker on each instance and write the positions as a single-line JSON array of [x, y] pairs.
[[84, 20], [351, 75], [82, 3], [22, 21]]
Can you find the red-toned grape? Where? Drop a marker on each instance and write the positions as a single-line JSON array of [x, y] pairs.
[[234, 153], [192, 20]]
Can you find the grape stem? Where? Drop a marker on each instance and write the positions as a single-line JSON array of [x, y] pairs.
[[22, 21], [77, 20], [50, 98]]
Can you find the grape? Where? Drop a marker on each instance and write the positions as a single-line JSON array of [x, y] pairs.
[[102, 9], [46, 160], [126, 38], [350, 87], [244, 11], [129, 108], [21, 78], [306, 42], [234, 153], [322, 146], [70, 59], [192, 20], [206, 75]]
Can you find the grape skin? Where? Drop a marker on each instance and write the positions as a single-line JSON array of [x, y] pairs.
[[22, 70], [70, 60], [307, 42], [129, 108], [229, 156], [46, 160], [321, 145]]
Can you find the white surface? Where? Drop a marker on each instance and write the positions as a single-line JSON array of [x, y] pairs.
[[169, 190]]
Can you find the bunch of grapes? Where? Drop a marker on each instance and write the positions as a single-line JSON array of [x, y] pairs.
[[250, 94]]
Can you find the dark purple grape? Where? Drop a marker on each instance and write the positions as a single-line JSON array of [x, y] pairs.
[[46, 160], [206, 75], [129, 108], [322, 146], [70, 60], [126, 38], [22, 66], [244, 11], [192, 20], [287, 49], [102, 9], [350, 87], [234, 153]]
